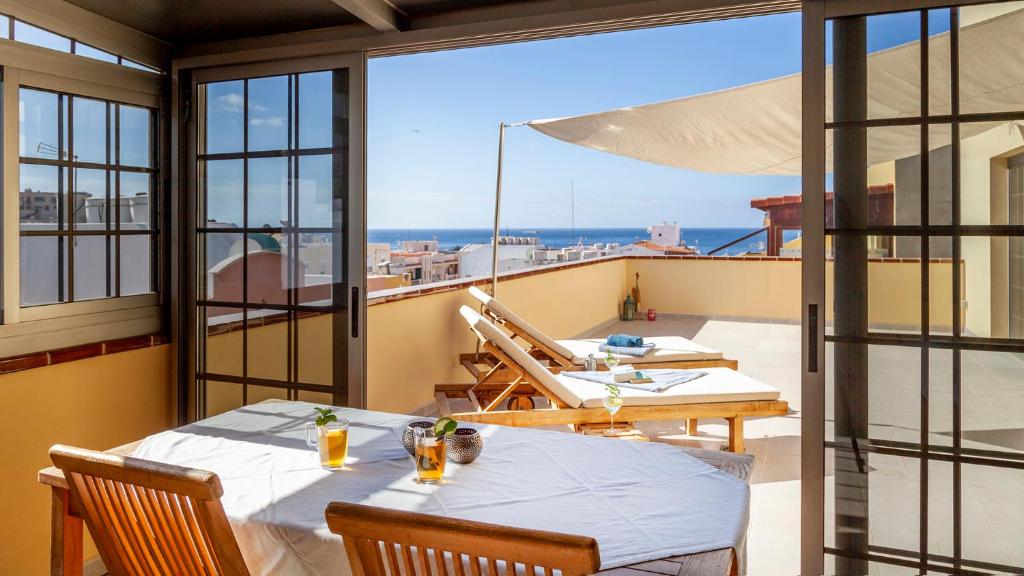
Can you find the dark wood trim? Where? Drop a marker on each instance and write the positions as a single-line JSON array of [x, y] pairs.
[[74, 353]]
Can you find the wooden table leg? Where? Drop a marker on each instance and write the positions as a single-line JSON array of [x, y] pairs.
[[736, 434], [65, 536], [691, 426]]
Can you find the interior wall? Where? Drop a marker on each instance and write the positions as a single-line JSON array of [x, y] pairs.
[[97, 403]]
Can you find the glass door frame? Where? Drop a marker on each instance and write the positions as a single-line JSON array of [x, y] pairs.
[[815, 14], [349, 325]]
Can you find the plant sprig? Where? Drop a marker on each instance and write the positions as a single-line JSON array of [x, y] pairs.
[[613, 391], [325, 415], [445, 427]]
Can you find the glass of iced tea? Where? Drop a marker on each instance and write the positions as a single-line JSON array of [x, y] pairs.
[[430, 455], [331, 442]]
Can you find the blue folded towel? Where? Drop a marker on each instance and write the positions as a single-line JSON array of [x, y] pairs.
[[624, 341], [638, 352]]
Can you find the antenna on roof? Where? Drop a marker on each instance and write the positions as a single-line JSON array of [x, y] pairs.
[[572, 207]]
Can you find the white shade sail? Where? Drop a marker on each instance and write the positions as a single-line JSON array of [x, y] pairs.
[[755, 129]]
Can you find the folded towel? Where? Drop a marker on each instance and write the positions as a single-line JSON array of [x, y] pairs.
[[662, 378], [637, 351], [624, 340]]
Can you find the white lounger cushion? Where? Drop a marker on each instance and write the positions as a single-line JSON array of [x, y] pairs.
[[720, 384], [666, 348]]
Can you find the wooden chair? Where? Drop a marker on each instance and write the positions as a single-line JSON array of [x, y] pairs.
[[384, 542], [149, 518]]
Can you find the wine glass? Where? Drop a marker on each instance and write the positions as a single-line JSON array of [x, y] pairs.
[[612, 402]]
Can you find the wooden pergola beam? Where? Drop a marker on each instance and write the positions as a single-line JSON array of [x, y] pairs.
[[377, 13]]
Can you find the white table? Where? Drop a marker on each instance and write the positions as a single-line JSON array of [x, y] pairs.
[[647, 505]]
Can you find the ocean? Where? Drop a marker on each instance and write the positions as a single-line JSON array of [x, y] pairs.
[[703, 239]]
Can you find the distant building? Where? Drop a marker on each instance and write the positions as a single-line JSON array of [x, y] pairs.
[[36, 206], [514, 253]]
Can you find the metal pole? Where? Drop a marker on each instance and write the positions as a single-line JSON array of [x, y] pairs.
[[497, 211]]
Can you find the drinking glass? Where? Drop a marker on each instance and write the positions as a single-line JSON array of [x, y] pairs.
[[612, 405], [430, 455], [331, 442], [611, 362]]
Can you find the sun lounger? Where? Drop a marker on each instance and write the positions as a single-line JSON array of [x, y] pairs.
[[669, 351], [492, 376], [722, 393]]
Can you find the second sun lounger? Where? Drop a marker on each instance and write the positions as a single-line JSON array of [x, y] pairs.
[[722, 393]]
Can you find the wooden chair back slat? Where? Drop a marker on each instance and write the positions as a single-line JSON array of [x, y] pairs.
[[411, 540], [151, 519]]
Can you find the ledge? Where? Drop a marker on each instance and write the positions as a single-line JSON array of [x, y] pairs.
[[394, 294], [60, 356]]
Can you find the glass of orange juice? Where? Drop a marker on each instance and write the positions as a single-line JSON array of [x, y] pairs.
[[331, 442]]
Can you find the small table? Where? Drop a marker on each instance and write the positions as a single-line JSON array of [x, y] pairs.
[[66, 556], [621, 432]]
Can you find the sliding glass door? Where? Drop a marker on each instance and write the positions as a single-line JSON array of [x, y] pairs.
[[278, 234], [914, 365]]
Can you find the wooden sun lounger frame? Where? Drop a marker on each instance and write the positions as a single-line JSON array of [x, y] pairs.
[[560, 413], [485, 367]]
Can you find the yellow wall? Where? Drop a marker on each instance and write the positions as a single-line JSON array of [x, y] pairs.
[[97, 403], [732, 287], [413, 344], [976, 154]]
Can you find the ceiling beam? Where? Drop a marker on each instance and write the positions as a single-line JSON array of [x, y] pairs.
[[377, 13]]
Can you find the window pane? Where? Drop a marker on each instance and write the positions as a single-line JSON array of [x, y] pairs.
[[136, 271], [316, 267], [315, 351], [91, 185], [268, 113], [43, 265], [267, 338], [224, 191], [893, 53], [223, 339], [5, 27], [137, 66], [316, 191], [136, 142], [224, 108], [42, 202], [94, 53], [268, 192], [90, 130], [39, 127], [222, 396], [993, 517], [315, 110], [135, 200], [30, 34], [990, 79], [222, 279], [91, 253], [268, 268]]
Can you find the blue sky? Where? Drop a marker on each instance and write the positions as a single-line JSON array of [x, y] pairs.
[[433, 118]]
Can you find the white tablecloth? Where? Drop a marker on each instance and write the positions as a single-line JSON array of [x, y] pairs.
[[639, 501]]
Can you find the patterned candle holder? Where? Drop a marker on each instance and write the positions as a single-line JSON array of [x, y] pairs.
[[409, 437], [465, 445]]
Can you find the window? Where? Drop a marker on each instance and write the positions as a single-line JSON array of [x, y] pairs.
[[14, 29], [87, 181]]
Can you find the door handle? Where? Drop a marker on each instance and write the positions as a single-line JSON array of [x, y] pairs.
[[812, 337], [354, 310]]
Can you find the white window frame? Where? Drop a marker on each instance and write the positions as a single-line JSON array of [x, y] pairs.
[[38, 328]]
